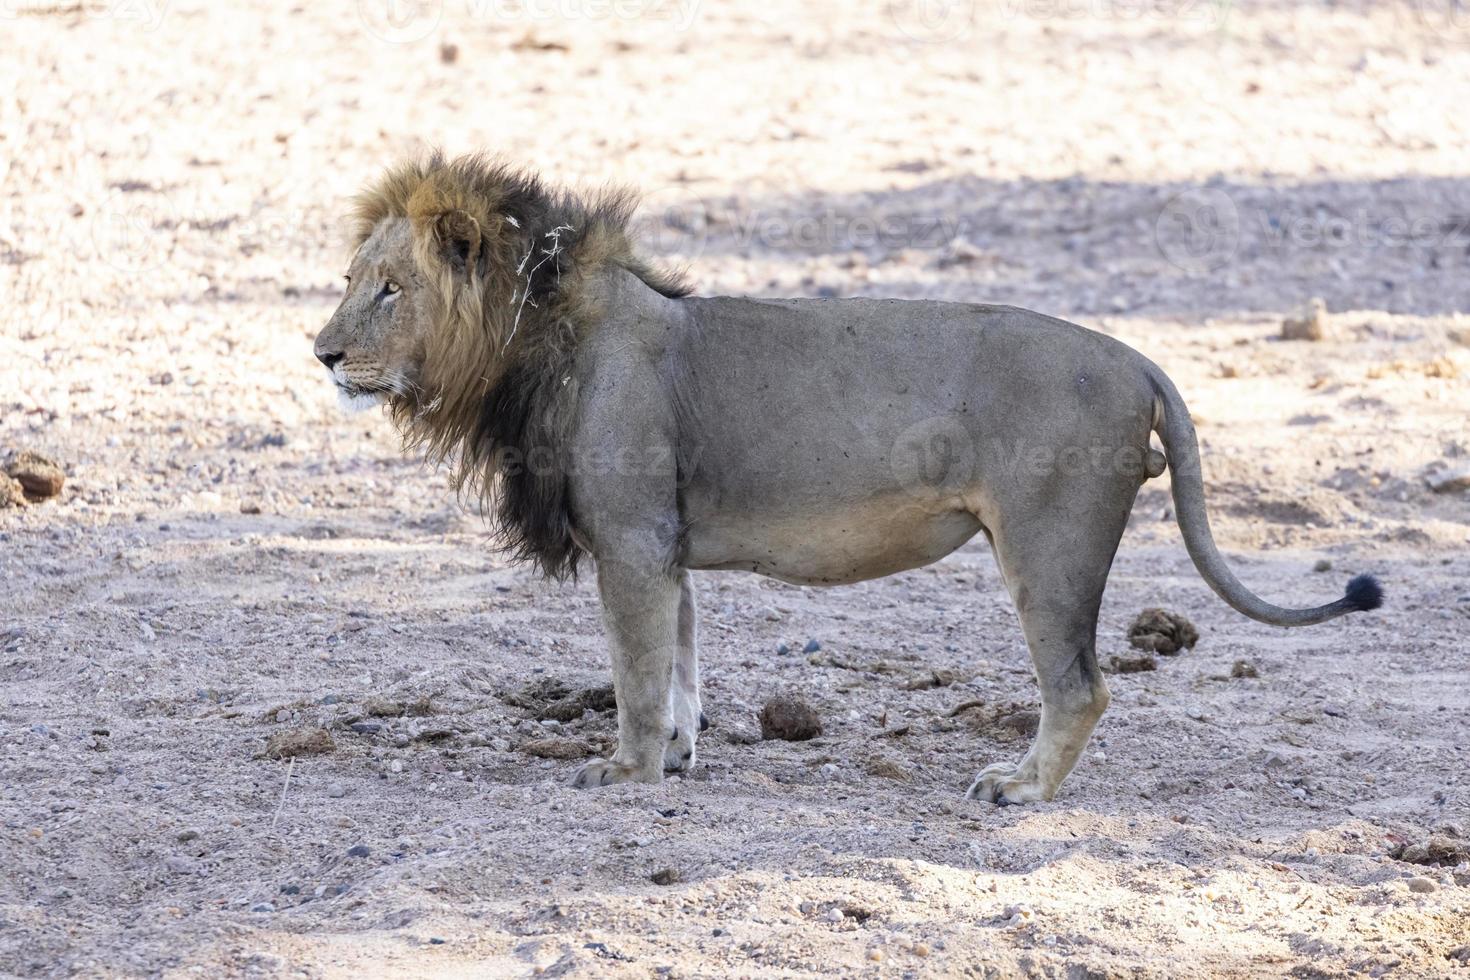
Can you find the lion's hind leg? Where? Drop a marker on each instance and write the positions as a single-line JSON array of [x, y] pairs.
[[1056, 578]]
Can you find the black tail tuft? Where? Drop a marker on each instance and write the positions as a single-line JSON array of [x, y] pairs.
[[1364, 593]]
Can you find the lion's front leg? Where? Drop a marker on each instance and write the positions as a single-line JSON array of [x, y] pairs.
[[684, 706], [640, 602]]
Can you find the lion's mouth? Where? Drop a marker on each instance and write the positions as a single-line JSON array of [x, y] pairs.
[[355, 399]]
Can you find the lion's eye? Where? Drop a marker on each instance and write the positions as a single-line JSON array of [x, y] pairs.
[[390, 287]]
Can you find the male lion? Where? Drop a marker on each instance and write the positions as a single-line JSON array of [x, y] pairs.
[[512, 330]]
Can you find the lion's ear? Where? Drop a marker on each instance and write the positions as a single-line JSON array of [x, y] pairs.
[[458, 234]]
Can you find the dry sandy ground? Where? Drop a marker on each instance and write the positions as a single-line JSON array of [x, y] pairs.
[[1179, 174]]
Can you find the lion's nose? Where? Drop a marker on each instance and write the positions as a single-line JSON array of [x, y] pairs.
[[329, 357]]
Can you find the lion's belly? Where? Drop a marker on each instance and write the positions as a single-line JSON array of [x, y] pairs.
[[846, 545]]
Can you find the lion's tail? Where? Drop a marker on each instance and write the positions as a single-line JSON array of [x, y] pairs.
[[1172, 423]]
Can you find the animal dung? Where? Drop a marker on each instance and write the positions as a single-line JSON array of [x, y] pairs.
[[40, 477], [789, 719], [1158, 631], [299, 741]]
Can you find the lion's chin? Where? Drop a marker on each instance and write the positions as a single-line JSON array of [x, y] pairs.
[[357, 401]]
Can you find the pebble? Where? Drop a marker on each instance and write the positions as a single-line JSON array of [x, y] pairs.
[[782, 649], [665, 876], [1421, 885], [770, 615], [336, 791], [834, 915], [359, 851], [1323, 565], [181, 865], [1451, 482], [263, 907], [812, 646]]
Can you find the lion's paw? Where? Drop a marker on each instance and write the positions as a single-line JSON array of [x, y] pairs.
[[1006, 785], [605, 772], [679, 753], [688, 722]]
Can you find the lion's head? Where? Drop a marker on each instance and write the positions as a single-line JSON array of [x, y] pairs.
[[466, 299]]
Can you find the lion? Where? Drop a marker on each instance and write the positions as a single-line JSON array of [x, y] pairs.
[[604, 412]]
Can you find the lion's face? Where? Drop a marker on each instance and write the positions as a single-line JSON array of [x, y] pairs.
[[374, 343]]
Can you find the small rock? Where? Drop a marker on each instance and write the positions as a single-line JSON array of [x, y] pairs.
[[665, 876], [1307, 323], [448, 54], [555, 747], [1437, 849], [1322, 565], [1422, 885], [180, 865], [359, 851], [771, 615], [812, 646], [380, 707], [782, 649], [834, 915], [336, 791], [186, 835], [1452, 482], [262, 907], [789, 719], [367, 727], [299, 741], [1158, 631], [1244, 668]]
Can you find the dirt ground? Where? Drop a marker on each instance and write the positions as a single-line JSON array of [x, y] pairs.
[[233, 561]]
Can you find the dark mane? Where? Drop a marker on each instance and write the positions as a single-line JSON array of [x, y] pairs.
[[499, 394]]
